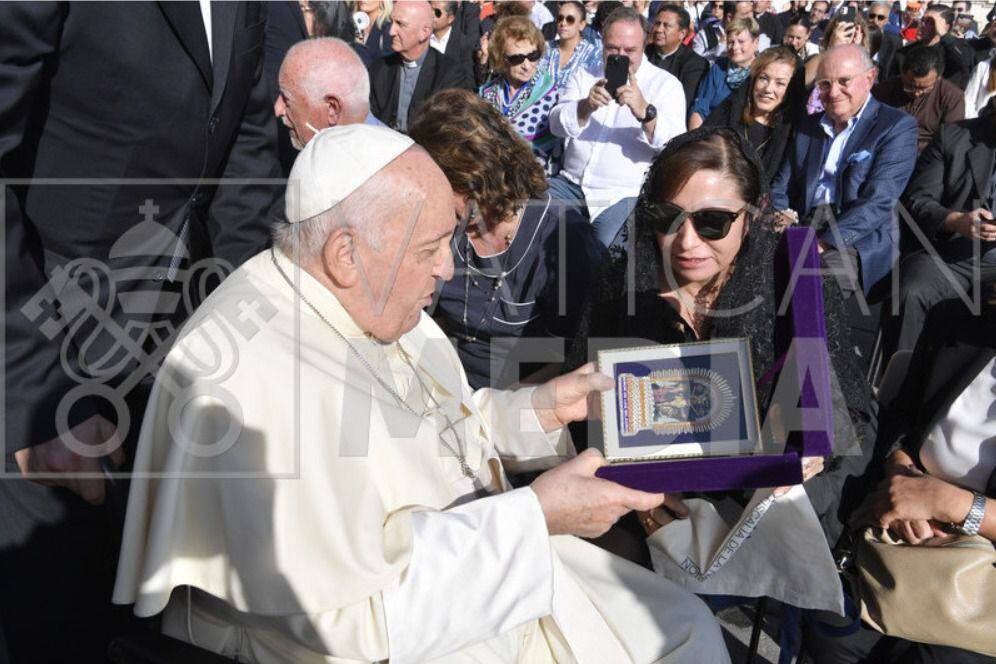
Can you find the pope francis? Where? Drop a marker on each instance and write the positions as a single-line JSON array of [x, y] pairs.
[[315, 481]]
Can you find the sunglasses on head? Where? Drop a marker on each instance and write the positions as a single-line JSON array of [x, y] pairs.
[[519, 58], [569, 19], [667, 218]]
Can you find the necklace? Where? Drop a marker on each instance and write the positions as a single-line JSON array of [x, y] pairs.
[[760, 146], [457, 451]]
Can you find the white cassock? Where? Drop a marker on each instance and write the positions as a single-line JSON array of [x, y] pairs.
[[286, 507]]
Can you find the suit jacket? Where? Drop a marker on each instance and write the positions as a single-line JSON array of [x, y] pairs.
[[468, 21], [952, 175], [875, 166], [122, 92], [438, 73], [947, 359], [460, 50], [886, 56], [284, 28], [686, 65]]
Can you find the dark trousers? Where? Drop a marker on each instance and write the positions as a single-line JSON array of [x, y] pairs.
[[926, 281]]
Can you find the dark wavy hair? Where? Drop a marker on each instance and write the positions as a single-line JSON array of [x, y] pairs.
[[480, 153]]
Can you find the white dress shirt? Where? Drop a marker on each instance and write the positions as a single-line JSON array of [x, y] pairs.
[[609, 156], [440, 43], [826, 188]]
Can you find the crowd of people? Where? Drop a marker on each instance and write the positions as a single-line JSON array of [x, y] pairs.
[[302, 300]]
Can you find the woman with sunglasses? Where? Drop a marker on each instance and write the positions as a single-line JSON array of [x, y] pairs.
[[703, 267], [513, 280], [570, 50], [728, 73], [765, 109], [522, 90]]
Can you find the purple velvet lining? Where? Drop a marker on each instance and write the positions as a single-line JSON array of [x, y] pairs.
[[816, 439]]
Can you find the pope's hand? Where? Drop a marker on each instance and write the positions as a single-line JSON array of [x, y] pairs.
[[575, 502], [55, 458], [564, 399]]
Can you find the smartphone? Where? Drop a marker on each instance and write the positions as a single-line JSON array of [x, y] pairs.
[[616, 73], [847, 14]]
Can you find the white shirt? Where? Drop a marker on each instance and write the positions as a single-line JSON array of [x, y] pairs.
[[961, 448], [609, 156], [206, 16], [826, 188], [540, 15], [440, 43]]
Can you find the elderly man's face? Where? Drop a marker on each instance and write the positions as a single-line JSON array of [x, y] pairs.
[[844, 84], [411, 25], [296, 112], [625, 38], [422, 260]]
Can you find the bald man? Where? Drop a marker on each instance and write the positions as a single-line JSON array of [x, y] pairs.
[[323, 83], [401, 81]]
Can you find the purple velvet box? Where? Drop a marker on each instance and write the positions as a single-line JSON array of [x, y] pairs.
[[802, 370]]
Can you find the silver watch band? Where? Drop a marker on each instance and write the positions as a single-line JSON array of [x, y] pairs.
[[972, 522]]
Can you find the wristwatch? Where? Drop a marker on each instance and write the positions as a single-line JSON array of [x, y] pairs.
[[650, 114], [972, 522]]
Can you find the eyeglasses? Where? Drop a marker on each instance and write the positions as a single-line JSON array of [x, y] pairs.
[[667, 218], [519, 58], [569, 19], [916, 91], [878, 17], [824, 84]]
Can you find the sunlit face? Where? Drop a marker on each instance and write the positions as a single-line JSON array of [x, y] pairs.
[[369, 6], [843, 85], [745, 8], [770, 86], [410, 29], [624, 38], [666, 32], [687, 257], [294, 110], [929, 26], [718, 11], [741, 47], [878, 15], [817, 12], [522, 73], [796, 37], [425, 259], [570, 22], [440, 19]]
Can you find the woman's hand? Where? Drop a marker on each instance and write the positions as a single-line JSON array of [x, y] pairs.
[[844, 33]]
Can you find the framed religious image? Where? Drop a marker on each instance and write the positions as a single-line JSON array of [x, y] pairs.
[[679, 401]]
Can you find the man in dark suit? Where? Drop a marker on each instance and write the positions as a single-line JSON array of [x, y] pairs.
[[667, 50], [846, 168], [950, 203], [150, 101], [400, 82], [890, 41], [957, 56], [449, 41], [469, 20]]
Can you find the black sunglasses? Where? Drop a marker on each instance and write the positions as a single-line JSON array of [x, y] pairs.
[[519, 58], [666, 218], [569, 19], [438, 12], [878, 17]]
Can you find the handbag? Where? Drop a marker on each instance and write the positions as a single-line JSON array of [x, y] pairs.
[[943, 595]]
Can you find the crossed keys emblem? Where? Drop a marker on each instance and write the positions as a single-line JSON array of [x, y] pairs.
[[118, 323]]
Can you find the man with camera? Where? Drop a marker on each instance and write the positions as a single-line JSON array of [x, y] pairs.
[[616, 117]]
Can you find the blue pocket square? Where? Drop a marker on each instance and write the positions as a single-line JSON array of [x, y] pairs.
[[858, 156]]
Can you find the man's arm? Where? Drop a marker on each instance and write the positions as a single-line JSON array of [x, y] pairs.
[[239, 217], [928, 185], [892, 163], [564, 121]]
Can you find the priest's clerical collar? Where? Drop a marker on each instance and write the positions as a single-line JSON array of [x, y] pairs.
[[417, 62]]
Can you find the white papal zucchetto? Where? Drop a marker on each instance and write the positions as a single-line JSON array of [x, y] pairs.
[[335, 163]]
